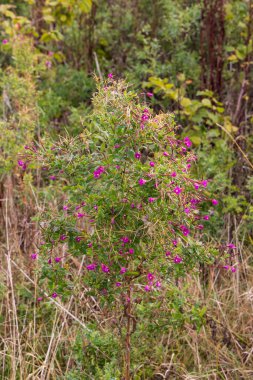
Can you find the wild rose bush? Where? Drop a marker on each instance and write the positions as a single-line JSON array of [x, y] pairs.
[[132, 208]]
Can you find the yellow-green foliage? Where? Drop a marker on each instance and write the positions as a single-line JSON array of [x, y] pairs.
[[19, 103]]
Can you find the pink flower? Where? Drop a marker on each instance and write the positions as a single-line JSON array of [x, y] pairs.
[[123, 270], [177, 259], [147, 288], [204, 183], [91, 267], [63, 237], [200, 227], [151, 200], [125, 239], [118, 284], [142, 182], [104, 268], [137, 155], [80, 215], [65, 207], [89, 245], [214, 202], [167, 253], [226, 267], [166, 154], [173, 174], [187, 210], [174, 242], [22, 164], [152, 164], [187, 142], [39, 299], [5, 41], [110, 76], [100, 170], [150, 94], [158, 284], [206, 217], [150, 276], [54, 295], [57, 259], [177, 190], [78, 238], [233, 269], [52, 177], [185, 230], [196, 185], [34, 256], [131, 251], [231, 246], [48, 64]]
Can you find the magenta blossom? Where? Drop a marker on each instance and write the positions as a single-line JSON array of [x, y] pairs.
[[63, 237], [104, 268], [22, 164], [123, 270], [125, 239], [150, 276], [187, 210], [137, 155], [167, 253], [100, 170], [158, 284], [91, 267], [185, 230], [80, 215], [39, 299], [231, 246], [196, 185], [34, 256], [177, 259], [118, 284], [5, 41], [54, 295], [52, 177], [214, 202], [206, 217], [142, 182], [204, 183], [78, 238], [151, 200], [131, 251], [187, 142], [110, 76], [147, 288], [174, 242], [177, 190], [166, 154], [152, 164], [65, 207], [150, 94], [57, 259], [233, 269], [173, 174]]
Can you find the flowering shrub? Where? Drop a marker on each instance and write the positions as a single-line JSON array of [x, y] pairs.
[[131, 208]]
